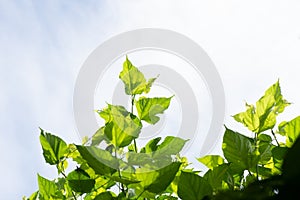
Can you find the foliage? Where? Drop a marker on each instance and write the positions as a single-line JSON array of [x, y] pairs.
[[110, 165]]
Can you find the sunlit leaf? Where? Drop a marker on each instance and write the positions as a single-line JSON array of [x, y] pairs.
[[121, 126], [291, 130], [149, 108], [211, 161], [134, 80], [48, 189], [263, 116], [54, 147]]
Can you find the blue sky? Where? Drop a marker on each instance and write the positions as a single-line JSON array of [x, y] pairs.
[[44, 44]]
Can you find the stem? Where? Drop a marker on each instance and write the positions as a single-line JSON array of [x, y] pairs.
[[140, 194], [71, 190], [256, 149], [132, 104], [119, 172], [275, 137]]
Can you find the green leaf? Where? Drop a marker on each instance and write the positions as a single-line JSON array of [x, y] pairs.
[[170, 146], [80, 181], [104, 196], [263, 116], [238, 149], [211, 161], [33, 196], [216, 176], [134, 80], [99, 136], [149, 108], [101, 161], [158, 180], [123, 180], [278, 154], [121, 126], [248, 118], [54, 147], [264, 148], [291, 130], [138, 158], [193, 187], [151, 146], [48, 189]]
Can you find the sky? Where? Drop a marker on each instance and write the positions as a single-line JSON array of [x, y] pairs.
[[43, 45]]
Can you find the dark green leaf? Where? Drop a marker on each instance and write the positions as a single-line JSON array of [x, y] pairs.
[[216, 176], [104, 196], [149, 108], [80, 181], [193, 187], [238, 149], [54, 147], [278, 154], [123, 180], [101, 161], [291, 163]]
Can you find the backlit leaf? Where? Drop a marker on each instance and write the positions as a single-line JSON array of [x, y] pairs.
[[134, 80], [291, 130], [54, 147], [149, 108], [211, 161]]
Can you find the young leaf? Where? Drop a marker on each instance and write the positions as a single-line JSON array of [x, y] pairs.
[[121, 126], [263, 116], [80, 181], [54, 147], [291, 130], [148, 108], [151, 146], [193, 187], [101, 161], [134, 80], [238, 149], [48, 189], [211, 161], [170, 146]]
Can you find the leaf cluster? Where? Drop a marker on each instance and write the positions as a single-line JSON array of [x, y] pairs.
[[111, 165]]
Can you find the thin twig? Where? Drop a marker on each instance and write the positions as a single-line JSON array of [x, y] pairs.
[[275, 137]]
